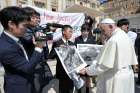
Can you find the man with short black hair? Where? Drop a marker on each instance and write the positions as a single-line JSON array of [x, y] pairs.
[[85, 37], [18, 67], [32, 23], [65, 83], [42, 73], [124, 25]]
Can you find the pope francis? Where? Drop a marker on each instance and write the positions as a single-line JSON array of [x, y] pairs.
[[113, 65]]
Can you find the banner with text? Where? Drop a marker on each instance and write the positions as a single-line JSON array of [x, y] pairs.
[[73, 19]]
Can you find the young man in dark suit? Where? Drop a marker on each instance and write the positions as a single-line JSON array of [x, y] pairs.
[[42, 73], [18, 67], [65, 83], [85, 37]]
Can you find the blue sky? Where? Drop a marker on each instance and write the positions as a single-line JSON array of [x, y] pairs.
[[102, 1]]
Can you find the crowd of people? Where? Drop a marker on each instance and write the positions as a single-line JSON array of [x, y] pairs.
[[24, 53]]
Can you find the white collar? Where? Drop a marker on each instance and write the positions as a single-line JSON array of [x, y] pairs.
[[64, 40], [115, 31], [11, 36]]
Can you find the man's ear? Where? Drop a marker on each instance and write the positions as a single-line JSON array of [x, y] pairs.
[[11, 24], [63, 33]]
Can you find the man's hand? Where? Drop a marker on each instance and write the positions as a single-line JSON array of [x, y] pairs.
[[136, 68], [83, 71], [39, 44]]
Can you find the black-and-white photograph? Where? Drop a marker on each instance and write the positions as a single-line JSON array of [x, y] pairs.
[[89, 52], [70, 58], [72, 63]]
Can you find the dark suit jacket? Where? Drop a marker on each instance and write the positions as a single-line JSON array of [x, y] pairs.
[[18, 69], [27, 42], [42, 73], [90, 40], [137, 47], [60, 72]]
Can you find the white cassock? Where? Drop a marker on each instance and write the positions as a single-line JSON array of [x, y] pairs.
[[113, 66]]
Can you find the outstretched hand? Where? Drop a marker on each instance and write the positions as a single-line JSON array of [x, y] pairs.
[[82, 71]]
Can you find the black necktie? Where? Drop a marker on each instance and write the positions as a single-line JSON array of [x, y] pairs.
[[67, 43]]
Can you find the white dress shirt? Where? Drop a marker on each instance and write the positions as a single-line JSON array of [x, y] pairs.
[[65, 41], [1, 29], [132, 36], [85, 39]]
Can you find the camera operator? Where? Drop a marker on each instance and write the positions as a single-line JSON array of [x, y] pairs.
[[18, 66], [32, 23], [42, 73]]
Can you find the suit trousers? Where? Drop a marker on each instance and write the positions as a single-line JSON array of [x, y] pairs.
[[65, 86]]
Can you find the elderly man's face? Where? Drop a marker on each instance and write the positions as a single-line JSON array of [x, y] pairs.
[[106, 30]]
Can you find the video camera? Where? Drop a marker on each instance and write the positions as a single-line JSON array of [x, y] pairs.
[[46, 29]]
